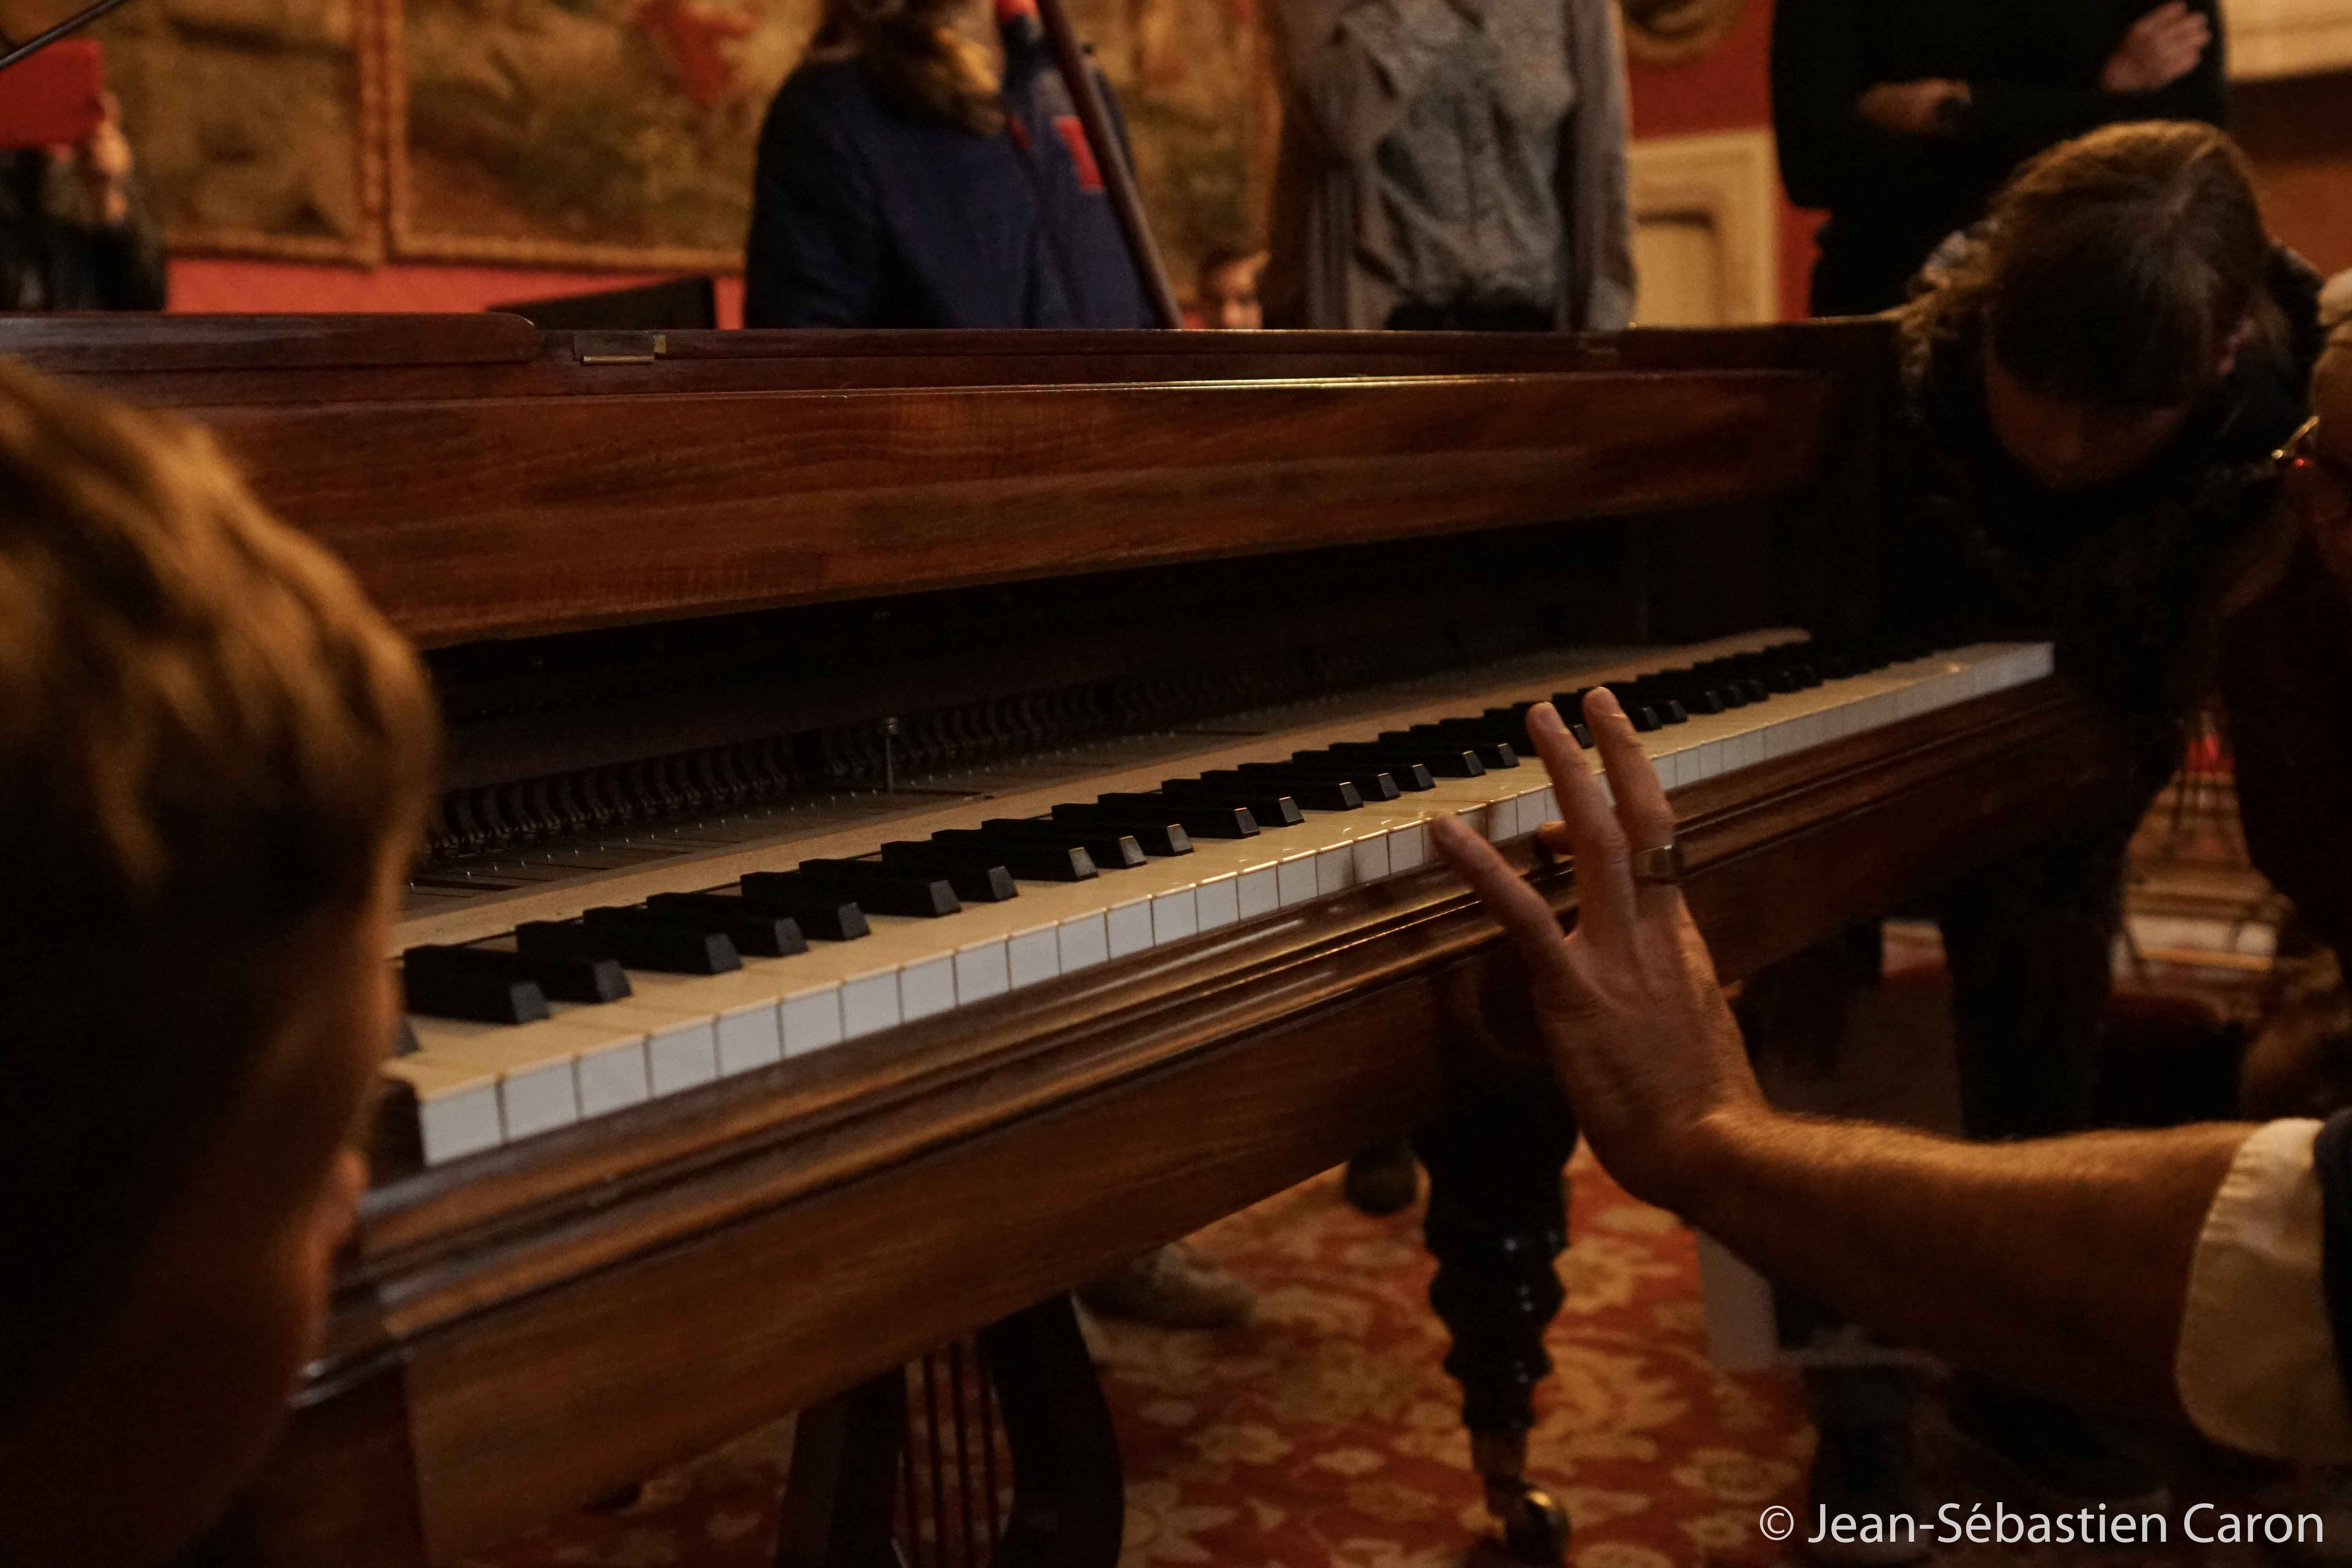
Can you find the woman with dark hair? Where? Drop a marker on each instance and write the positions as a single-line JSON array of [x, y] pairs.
[[922, 168], [2095, 378], [1901, 120]]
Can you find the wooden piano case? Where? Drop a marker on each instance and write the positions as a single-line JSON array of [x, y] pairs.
[[597, 534]]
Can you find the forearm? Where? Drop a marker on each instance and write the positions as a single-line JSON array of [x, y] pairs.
[[2060, 1265]]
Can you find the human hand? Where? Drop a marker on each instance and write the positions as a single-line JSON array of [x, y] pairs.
[[1627, 1007], [2159, 49], [104, 161], [1909, 108]]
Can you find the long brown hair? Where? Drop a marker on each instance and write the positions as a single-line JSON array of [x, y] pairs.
[[2112, 269], [916, 59]]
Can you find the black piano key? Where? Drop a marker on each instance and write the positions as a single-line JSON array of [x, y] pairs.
[[884, 889], [1110, 849], [669, 949], [1160, 830], [591, 980], [1031, 859], [1201, 818], [1445, 762], [822, 916], [1310, 792], [757, 934], [1268, 807], [976, 878], [1406, 775], [1495, 753], [475, 995], [1305, 782]]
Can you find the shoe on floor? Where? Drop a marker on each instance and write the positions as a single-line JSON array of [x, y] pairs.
[[1171, 1287], [1382, 1180], [2056, 1458], [1865, 1473]]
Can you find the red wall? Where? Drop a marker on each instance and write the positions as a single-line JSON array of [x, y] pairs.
[[215, 284], [1729, 90]]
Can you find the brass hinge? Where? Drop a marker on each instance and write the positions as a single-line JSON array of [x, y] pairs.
[[620, 348]]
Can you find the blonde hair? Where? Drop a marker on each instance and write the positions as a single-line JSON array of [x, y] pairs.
[[916, 59], [209, 741]]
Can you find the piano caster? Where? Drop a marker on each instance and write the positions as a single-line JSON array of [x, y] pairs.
[[1535, 1526]]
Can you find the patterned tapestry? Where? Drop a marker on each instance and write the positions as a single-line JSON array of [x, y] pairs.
[[254, 120], [584, 132], [621, 133]]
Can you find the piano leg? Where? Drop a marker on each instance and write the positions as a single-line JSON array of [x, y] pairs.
[[1069, 1501], [1498, 1219], [844, 1479], [1069, 1494]]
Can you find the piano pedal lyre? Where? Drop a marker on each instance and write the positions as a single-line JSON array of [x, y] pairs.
[[995, 1451]]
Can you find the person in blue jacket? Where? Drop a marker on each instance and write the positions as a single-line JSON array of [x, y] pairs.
[[911, 176]]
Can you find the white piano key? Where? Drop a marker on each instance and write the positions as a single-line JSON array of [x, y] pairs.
[[1257, 890], [1175, 915], [869, 1002], [982, 969], [1335, 870], [1408, 846], [1084, 942], [1371, 855], [1295, 880], [681, 1054], [1032, 955], [1218, 901], [539, 1100], [535, 1064], [612, 1078], [809, 1019], [456, 1107], [1129, 926], [750, 1036], [925, 987]]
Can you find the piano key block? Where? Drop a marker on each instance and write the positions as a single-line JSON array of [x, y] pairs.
[[971, 906]]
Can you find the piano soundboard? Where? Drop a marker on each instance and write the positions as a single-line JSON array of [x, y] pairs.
[[734, 946]]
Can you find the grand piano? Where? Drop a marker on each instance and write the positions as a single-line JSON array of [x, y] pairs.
[[1106, 681]]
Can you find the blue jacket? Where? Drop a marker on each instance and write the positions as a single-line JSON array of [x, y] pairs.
[[865, 215]]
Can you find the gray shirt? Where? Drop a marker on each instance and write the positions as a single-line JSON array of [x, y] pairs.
[[1442, 151], [1464, 185]]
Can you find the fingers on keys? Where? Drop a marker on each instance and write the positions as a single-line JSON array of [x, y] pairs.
[[1523, 912], [1641, 807]]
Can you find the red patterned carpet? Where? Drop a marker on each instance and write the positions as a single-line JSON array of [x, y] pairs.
[[1324, 1433]]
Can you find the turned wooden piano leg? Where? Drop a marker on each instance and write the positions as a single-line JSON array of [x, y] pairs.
[[1498, 1219]]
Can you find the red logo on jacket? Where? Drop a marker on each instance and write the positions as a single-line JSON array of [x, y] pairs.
[[1082, 154]]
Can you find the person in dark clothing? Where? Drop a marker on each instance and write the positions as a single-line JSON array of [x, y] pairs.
[[2095, 379], [906, 180], [73, 235], [2283, 688], [1902, 120]]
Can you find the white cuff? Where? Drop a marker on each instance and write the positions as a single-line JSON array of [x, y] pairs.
[[2256, 1366]]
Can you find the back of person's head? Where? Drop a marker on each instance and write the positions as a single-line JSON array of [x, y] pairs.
[[209, 744], [915, 59], [2115, 270]]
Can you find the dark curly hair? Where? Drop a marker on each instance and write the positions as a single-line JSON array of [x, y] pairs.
[[2111, 271]]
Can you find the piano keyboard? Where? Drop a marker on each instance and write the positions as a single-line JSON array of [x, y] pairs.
[[659, 988]]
